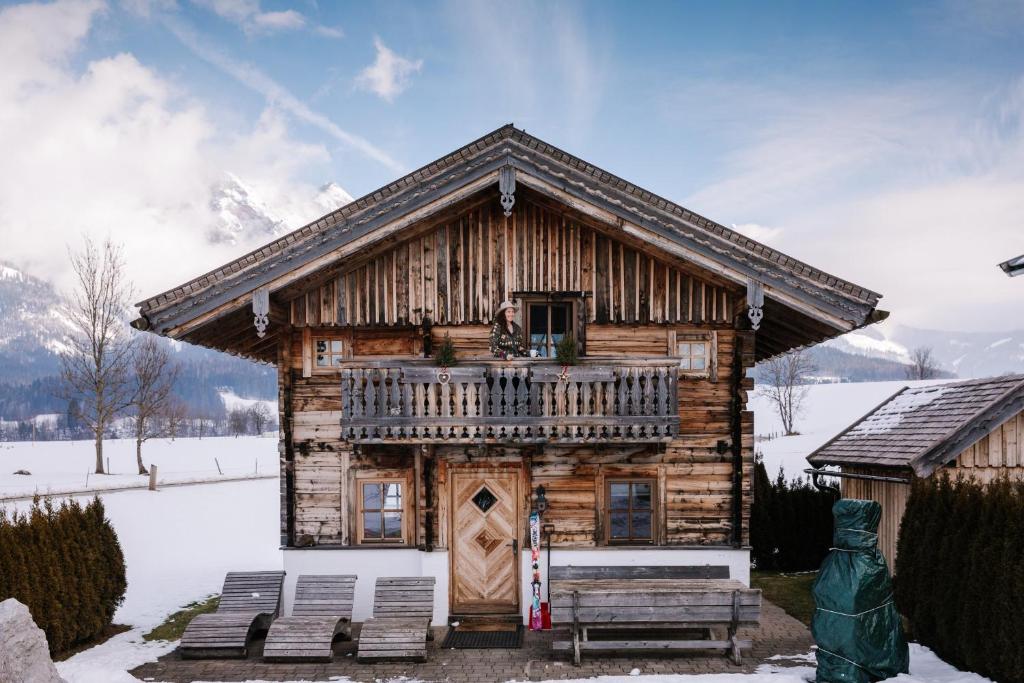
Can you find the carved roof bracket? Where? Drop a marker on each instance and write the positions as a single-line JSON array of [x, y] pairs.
[[507, 187], [755, 303], [261, 310]]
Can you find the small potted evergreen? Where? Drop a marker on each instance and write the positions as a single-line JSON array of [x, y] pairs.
[[566, 355], [444, 358]]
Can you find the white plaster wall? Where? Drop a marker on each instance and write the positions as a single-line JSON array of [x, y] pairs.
[[738, 561], [368, 564]]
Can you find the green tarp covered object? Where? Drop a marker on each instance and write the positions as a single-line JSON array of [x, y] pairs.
[[856, 627]]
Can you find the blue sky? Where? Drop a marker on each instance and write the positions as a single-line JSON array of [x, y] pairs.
[[879, 141]]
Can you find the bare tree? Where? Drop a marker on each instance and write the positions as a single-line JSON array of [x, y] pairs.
[[238, 422], [922, 364], [203, 424], [97, 367], [154, 376], [785, 386], [175, 417], [259, 415]]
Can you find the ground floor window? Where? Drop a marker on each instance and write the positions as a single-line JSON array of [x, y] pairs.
[[381, 507], [630, 510]]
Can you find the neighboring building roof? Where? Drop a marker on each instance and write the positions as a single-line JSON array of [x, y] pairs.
[[925, 427], [1014, 266], [834, 305]]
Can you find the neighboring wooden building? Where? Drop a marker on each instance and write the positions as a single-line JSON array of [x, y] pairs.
[[973, 428], [391, 467]]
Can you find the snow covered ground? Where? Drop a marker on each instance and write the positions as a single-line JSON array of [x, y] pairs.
[[829, 409], [61, 466], [178, 544]]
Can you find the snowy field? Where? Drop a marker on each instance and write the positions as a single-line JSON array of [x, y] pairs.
[[63, 466], [829, 409]]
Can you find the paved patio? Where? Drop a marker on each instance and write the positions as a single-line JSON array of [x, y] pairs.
[[778, 634]]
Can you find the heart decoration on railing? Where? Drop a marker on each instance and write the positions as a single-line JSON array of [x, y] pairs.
[[443, 376]]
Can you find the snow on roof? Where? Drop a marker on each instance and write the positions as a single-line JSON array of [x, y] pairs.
[[891, 414], [925, 427]]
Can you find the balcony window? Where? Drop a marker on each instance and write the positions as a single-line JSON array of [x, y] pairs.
[[630, 510], [547, 324]]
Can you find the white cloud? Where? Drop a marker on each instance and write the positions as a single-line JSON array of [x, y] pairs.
[[275, 21], [249, 16], [329, 31], [389, 74], [113, 148], [759, 233], [275, 93]]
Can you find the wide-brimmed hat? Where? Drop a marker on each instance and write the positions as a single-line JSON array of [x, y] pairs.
[[505, 304]]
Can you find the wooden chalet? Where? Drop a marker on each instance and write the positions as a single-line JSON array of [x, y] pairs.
[[973, 428], [391, 467]]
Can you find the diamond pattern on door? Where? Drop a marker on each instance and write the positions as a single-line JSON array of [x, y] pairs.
[[484, 499]]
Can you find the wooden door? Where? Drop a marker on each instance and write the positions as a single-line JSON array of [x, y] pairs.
[[485, 540]]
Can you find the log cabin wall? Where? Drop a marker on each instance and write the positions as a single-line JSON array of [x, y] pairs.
[[694, 474], [458, 272]]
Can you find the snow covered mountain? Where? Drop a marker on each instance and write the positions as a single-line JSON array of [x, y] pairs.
[[967, 354], [248, 215], [33, 329]]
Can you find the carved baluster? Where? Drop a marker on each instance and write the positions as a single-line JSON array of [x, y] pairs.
[[574, 409], [522, 406]]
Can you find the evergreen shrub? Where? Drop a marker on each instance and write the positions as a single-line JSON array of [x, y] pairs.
[[790, 522], [65, 564], [960, 573], [444, 357]]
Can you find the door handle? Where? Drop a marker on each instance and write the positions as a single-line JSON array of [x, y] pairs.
[[515, 546]]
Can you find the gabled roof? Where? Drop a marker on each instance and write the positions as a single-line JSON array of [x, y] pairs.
[[925, 427], [834, 305]]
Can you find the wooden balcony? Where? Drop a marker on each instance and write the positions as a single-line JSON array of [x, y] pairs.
[[520, 401]]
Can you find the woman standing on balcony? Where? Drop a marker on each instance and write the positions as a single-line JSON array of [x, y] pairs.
[[506, 336]]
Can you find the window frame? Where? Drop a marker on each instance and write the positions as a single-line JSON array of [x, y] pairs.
[[403, 510], [709, 340], [631, 540], [690, 356], [342, 353]]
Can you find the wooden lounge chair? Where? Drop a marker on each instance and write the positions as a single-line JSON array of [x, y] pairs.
[[322, 611], [402, 610], [249, 601]]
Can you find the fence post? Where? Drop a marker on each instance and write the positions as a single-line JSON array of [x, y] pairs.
[[152, 477]]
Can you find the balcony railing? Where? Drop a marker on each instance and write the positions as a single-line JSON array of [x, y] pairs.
[[525, 401]]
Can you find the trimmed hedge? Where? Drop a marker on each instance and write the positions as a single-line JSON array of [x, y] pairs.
[[790, 523], [66, 565], [960, 573]]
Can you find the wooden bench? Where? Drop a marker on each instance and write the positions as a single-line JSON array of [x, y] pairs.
[[591, 599], [403, 608], [249, 602], [322, 611]]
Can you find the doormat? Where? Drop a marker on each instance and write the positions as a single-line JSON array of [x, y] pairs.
[[479, 639]]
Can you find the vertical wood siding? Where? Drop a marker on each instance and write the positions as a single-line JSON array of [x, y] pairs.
[[458, 272]]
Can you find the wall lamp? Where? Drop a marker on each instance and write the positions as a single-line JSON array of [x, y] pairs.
[[542, 499]]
